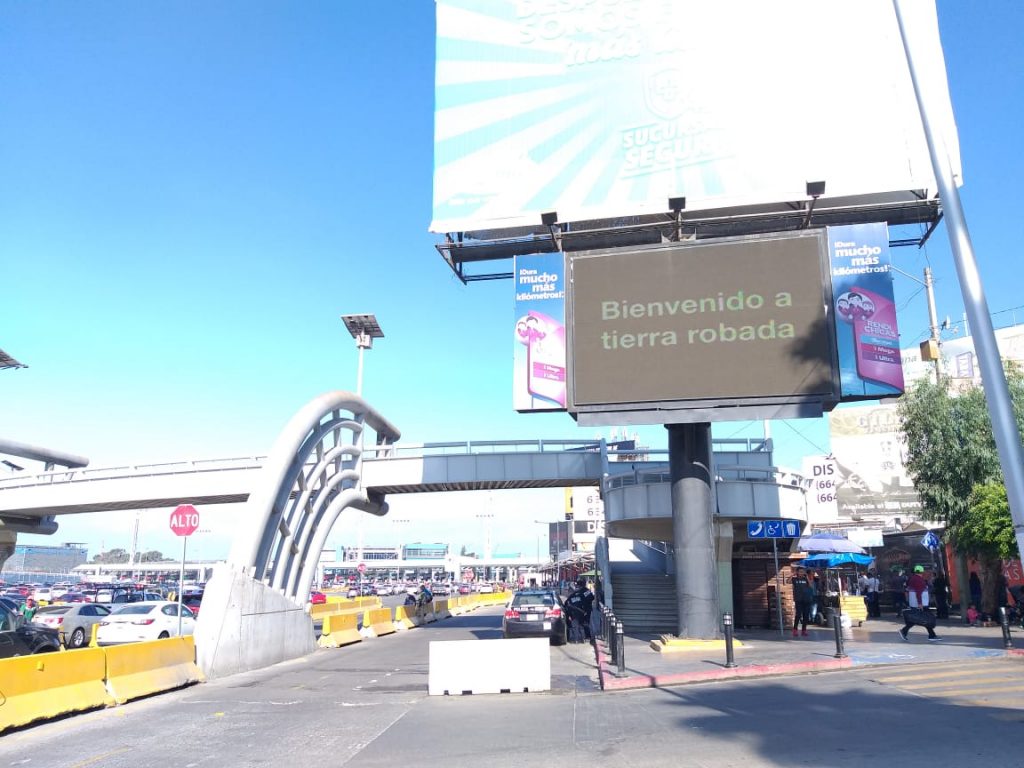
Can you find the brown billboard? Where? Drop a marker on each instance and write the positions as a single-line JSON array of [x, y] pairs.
[[720, 322]]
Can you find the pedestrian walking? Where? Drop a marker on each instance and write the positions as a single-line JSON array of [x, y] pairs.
[[871, 601], [28, 610], [918, 614], [803, 596]]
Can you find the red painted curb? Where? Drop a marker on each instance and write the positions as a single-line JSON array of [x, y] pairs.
[[611, 683], [1014, 652]]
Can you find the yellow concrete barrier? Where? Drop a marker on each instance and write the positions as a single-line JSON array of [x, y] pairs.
[[139, 669], [339, 629], [49, 684], [379, 622], [407, 617], [441, 609]]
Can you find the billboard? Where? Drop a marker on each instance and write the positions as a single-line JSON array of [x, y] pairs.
[[871, 480], [600, 110], [709, 323], [960, 360], [867, 335], [539, 356]]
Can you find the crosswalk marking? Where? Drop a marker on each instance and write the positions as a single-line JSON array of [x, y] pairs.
[[984, 683]]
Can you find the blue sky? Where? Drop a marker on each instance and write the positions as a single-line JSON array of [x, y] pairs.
[[193, 193]]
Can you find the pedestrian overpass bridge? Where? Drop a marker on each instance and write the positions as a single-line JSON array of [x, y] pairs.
[[339, 453], [748, 484]]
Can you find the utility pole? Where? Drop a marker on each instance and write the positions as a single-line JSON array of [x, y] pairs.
[[993, 378], [933, 322], [929, 349]]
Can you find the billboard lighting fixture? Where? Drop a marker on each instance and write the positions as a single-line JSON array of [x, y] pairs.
[[676, 205], [815, 189], [550, 220]]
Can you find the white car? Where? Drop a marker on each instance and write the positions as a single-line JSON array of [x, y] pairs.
[[132, 622], [42, 593]]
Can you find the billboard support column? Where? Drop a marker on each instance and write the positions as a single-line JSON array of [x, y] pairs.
[[689, 457], [993, 379]]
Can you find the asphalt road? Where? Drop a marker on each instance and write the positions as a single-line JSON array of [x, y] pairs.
[[366, 705]]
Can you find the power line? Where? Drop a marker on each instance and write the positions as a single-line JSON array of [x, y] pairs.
[[805, 437]]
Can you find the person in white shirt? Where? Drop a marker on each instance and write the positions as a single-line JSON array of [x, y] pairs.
[[869, 588]]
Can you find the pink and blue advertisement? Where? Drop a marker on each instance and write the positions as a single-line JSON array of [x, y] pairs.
[[539, 359], [867, 336]]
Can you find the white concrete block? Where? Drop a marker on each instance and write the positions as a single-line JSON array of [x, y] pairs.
[[489, 666]]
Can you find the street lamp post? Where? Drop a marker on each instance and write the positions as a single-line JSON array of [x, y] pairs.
[[364, 329]]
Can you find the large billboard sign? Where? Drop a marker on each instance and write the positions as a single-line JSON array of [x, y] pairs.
[[539, 356], [702, 325], [866, 332], [871, 480], [599, 110]]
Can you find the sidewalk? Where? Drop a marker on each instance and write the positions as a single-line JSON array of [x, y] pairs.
[[767, 653]]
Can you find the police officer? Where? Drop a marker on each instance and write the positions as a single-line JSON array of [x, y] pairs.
[[580, 604]]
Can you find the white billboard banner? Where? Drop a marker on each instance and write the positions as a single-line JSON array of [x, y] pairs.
[[871, 478], [822, 474], [600, 110]]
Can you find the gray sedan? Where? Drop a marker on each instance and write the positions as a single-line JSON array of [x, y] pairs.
[[73, 621]]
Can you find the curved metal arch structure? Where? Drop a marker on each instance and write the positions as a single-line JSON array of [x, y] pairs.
[[312, 474], [257, 600]]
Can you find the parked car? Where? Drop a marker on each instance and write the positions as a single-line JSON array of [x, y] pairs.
[[10, 604], [73, 621], [42, 594], [134, 596], [382, 590], [193, 601], [317, 598], [536, 613], [465, 589], [20, 639], [486, 589], [133, 622], [352, 592]]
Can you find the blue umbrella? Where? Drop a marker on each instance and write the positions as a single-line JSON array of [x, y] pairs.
[[835, 560]]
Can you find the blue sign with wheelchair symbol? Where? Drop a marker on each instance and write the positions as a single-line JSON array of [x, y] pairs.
[[773, 529]]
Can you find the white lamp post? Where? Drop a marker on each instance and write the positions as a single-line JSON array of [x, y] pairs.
[[364, 329]]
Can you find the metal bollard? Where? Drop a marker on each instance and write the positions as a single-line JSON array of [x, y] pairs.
[[730, 661], [613, 647], [620, 642], [1004, 623], [838, 629]]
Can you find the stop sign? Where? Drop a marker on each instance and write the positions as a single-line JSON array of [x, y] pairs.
[[184, 520], [361, 567]]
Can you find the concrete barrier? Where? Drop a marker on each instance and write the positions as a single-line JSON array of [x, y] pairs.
[[340, 629], [140, 669], [50, 684], [489, 666], [378, 622], [441, 609], [406, 617]]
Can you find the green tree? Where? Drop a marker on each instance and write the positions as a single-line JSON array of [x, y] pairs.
[[951, 451], [111, 556], [153, 556]]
